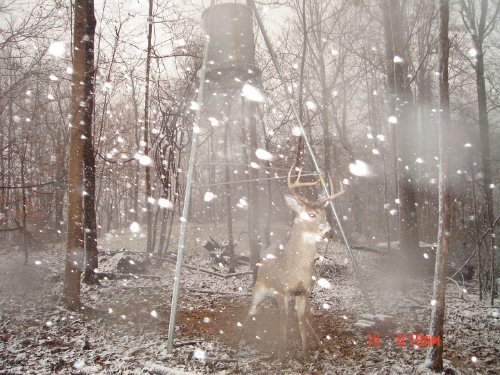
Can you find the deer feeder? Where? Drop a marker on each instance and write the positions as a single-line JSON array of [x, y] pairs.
[[231, 47]]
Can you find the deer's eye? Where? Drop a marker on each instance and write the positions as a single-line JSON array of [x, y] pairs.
[[312, 215]]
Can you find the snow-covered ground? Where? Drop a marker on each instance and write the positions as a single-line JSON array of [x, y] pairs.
[[123, 327]]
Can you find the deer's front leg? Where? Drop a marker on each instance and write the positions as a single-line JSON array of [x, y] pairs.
[[301, 308], [283, 311]]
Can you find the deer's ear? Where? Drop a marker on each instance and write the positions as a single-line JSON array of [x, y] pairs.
[[293, 203]]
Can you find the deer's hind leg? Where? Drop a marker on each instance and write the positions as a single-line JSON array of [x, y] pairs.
[[283, 311], [313, 333], [258, 294]]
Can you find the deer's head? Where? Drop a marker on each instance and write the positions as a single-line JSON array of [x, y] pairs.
[[310, 216]]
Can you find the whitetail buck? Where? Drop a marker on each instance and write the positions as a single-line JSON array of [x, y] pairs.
[[288, 271]]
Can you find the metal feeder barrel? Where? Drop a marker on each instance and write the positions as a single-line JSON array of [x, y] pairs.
[[231, 48]]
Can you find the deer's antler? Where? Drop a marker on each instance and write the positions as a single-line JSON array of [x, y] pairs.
[[297, 184], [332, 196]]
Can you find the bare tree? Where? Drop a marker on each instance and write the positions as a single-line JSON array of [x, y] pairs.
[[84, 24], [479, 27], [397, 65], [435, 353], [89, 214]]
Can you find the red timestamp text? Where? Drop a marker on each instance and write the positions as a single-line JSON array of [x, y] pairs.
[[401, 339]]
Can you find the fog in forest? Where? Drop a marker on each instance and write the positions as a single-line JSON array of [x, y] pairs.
[[249, 186]]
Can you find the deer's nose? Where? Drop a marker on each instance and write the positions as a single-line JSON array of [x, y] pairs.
[[328, 234]]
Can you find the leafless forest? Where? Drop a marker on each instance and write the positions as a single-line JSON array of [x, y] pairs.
[[257, 187]]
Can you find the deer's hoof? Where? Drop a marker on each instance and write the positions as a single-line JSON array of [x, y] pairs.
[[235, 344], [306, 357]]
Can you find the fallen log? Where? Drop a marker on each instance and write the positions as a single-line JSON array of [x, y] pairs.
[[225, 276], [208, 291], [118, 275], [372, 250]]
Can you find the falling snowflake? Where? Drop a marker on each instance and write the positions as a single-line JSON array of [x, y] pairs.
[[242, 203], [392, 120], [311, 105], [263, 154], [154, 314], [57, 49], [252, 93], [213, 121], [296, 131], [209, 196], [359, 168], [194, 106], [324, 283], [199, 354], [135, 227], [165, 203], [398, 60], [145, 160], [472, 52]]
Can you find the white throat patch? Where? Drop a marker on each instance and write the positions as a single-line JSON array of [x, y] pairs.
[[310, 237]]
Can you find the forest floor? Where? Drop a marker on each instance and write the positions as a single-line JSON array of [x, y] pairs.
[[122, 328]]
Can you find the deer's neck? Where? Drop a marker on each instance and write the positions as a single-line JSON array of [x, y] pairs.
[[302, 244]]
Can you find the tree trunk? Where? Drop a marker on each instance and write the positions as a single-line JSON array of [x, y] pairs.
[[81, 111], [230, 246], [300, 143], [23, 202], [476, 228], [484, 136], [402, 99], [434, 357], [155, 229], [163, 230], [89, 210]]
